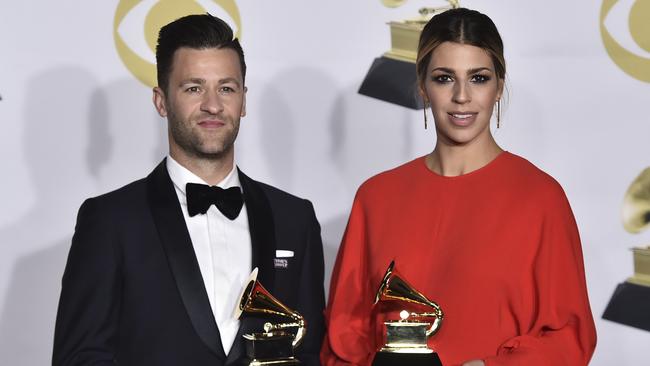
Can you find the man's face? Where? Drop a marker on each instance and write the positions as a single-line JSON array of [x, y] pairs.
[[204, 102]]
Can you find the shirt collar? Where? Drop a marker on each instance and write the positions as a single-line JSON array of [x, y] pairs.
[[180, 176]]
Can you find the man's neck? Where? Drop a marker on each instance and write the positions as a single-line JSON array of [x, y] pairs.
[[211, 170]]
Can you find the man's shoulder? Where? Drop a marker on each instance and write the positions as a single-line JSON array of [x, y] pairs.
[[129, 193], [275, 194], [120, 205], [132, 193], [277, 197]]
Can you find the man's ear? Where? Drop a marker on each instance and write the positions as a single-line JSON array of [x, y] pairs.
[[159, 101], [243, 105]]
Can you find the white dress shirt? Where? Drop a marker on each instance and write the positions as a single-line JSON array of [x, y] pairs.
[[222, 248]]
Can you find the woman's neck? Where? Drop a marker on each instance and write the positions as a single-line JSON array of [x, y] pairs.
[[453, 160]]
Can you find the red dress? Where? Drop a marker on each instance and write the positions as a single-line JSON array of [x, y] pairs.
[[498, 249]]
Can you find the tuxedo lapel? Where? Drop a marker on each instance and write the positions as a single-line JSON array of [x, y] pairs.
[[262, 229], [177, 244], [262, 232]]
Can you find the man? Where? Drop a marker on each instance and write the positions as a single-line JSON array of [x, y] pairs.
[[156, 268]]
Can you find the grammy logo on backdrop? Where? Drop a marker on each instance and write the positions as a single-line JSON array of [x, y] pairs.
[[631, 300], [392, 76], [625, 32], [137, 23]]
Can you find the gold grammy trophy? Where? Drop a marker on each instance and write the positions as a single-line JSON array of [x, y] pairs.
[[405, 34], [392, 76], [406, 338], [631, 300], [636, 218], [276, 345]]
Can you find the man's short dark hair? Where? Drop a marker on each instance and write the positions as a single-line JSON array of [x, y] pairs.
[[197, 32]]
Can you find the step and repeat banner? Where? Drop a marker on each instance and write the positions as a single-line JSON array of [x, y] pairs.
[[76, 120]]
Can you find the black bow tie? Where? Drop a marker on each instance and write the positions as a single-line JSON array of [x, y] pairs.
[[200, 197]]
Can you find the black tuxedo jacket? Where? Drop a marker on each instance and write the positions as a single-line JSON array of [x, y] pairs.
[[132, 291]]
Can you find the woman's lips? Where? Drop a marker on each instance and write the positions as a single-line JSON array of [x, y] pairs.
[[462, 119]]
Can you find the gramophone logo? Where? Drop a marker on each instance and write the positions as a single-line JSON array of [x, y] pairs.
[[625, 28], [137, 22]]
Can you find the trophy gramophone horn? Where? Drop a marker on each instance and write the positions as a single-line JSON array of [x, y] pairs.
[[398, 3], [636, 204], [257, 300], [393, 287], [393, 3]]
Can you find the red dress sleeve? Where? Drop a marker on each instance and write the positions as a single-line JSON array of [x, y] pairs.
[[563, 333], [350, 336]]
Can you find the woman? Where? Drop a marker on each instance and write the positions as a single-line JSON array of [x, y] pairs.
[[482, 232]]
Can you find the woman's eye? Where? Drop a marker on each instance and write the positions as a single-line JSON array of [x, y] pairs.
[[480, 78], [442, 79]]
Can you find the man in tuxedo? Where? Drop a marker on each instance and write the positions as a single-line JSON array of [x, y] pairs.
[[156, 268]]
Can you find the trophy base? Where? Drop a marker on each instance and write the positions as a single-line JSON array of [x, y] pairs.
[[420, 350], [285, 362], [411, 359], [629, 305], [392, 81], [272, 348]]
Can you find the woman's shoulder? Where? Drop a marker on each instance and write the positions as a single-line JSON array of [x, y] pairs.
[[394, 178], [536, 182]]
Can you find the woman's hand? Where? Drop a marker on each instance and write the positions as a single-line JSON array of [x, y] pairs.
[[474, 363]]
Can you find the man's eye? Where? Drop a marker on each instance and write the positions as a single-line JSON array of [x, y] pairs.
[[193, 89], [227, 89]]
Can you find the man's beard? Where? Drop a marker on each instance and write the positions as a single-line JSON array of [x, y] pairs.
[[192, 144]]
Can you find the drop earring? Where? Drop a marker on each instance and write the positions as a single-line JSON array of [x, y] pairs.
[[498, 113], [426, 106]]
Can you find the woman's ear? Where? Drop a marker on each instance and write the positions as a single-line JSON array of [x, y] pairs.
[[423, 94], [500, 85]]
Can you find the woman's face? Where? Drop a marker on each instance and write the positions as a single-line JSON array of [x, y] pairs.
[[462, 87]]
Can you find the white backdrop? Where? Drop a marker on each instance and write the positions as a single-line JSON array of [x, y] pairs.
[[75, 123]]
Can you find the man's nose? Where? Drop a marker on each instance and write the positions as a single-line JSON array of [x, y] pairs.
[[211, 102]]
